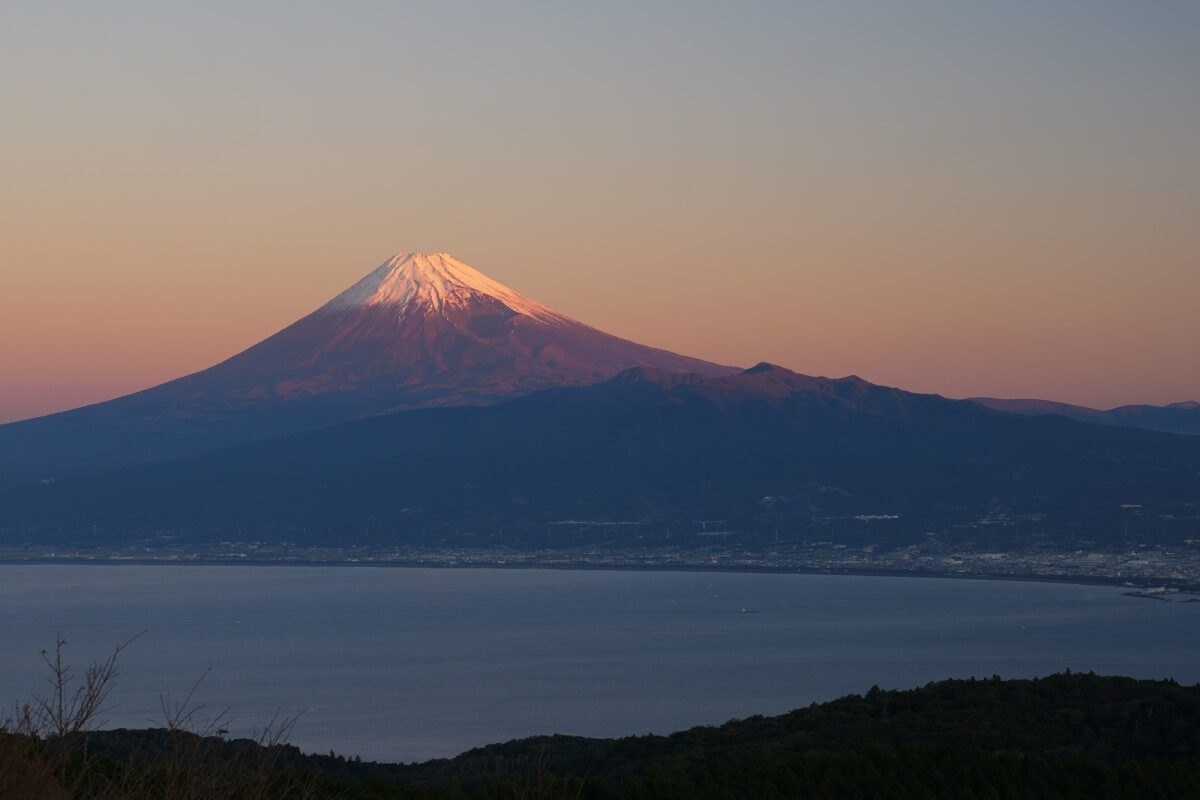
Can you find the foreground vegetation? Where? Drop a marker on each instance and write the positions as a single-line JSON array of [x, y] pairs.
[[1067, 735], [50, 748]]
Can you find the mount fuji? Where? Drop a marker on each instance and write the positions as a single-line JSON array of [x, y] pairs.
[[421, 330]]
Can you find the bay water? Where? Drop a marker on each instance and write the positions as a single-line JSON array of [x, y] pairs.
[[403, 664]]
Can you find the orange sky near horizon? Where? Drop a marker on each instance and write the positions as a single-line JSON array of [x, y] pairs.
[[953, 200]]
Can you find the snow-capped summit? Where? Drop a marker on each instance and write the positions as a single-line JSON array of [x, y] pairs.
[[426, 329], [433, 281], [420, 330]]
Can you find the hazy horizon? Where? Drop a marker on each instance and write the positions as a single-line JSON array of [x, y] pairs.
[[955, 200]]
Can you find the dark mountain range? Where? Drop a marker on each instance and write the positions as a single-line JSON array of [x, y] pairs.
[[1173, 418], [646, 452], [419, 331]]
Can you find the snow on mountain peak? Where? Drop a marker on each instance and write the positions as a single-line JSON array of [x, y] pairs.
[[433, 281]]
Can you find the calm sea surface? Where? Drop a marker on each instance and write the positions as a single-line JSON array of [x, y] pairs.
[[404, 664]]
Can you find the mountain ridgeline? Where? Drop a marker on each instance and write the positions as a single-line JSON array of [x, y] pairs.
[[429, 406], [1174, 418], [638, 460], [420, 331]]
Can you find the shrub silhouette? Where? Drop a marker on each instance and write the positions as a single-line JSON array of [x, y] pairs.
[[45, 747]]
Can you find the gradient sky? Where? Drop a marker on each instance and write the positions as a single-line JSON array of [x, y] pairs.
[[947, 197]]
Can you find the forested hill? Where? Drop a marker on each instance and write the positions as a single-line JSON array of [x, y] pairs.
[[1065, 716], [1067, 735]]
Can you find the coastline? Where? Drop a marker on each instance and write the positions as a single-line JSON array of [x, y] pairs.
[[1140, 583], [431, 602]]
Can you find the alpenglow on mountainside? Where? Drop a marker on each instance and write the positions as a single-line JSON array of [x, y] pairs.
[[420, 330]]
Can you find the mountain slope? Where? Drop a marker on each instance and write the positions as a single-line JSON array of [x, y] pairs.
[[418, 331], [762, 450], [422, 329], [1173, 418]]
